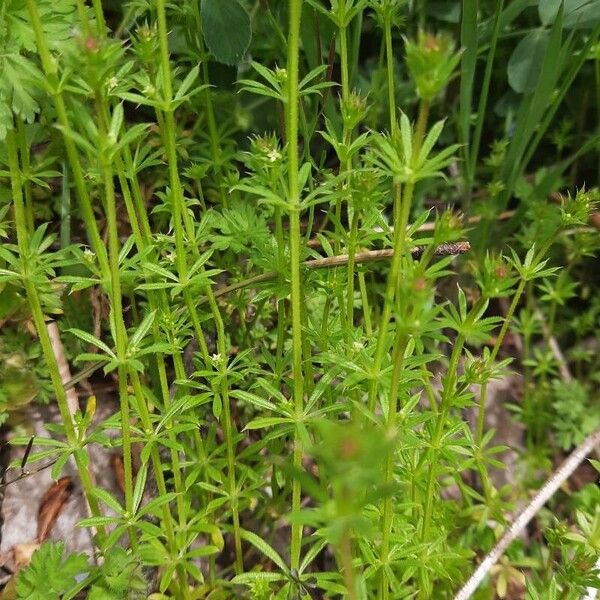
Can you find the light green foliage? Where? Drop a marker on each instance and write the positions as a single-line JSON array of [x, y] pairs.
[[263, 209], [50, 573], [431, 60], [576, 416], [20, 77]]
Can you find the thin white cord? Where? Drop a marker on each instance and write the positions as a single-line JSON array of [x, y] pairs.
[[544, 494]]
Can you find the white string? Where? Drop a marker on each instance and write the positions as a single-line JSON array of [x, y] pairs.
[[544, 494]]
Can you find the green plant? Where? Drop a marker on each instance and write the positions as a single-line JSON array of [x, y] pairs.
[[50, 573], [264, 198]]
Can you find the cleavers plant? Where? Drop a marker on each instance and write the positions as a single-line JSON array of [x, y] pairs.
[[261, 205]]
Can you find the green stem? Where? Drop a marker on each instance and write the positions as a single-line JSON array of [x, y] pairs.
[[83, 18], [50, 68], [421, 125], [485, 88], [487, 486], [80, 452], [390, 76], [344, 64], [345, 94], [167, 517], [295, 10], [350, 276], [347, 566], [179, 213], [100, 21], [140, 226], [447, 395], [402, 206], [353, 215], [388, 505], [503, 330], [26, 171], [121, 341], [366, 309], [404, 202], [229, 432], [280, 241], [494, 353], [213, 132], [157, 302]]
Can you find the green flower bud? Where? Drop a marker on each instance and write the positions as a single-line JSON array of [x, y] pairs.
[[431, 61]]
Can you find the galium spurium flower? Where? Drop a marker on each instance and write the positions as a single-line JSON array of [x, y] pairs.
[[387, 11], [145, 42], [495, 277], [576, 211], [431, 60], [354, 109], [265, 153]]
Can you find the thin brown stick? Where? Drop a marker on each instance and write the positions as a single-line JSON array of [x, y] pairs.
[[342, 259], [376, 255], [63, 365], [316, 263], [72, 398]]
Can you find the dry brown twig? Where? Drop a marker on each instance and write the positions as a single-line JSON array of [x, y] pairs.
[[317, 263], [63, 365], [72, 397]]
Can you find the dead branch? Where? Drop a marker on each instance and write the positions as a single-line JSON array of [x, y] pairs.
[[376, 255], [63, 365], [317, 263]]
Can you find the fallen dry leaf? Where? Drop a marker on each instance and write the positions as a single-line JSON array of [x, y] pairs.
[[22, 554], [51, 505], [11, 562], [9, 591], [116, 461]]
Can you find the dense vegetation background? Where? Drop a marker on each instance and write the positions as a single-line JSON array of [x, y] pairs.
[[321, 277]]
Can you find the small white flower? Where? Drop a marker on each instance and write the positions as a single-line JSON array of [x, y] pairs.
[[273, 155]]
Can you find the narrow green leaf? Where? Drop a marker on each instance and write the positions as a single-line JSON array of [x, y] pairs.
[[90, 339], [140, 486], [263, 547], [468, 42], [108, 499], [142, 330]]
